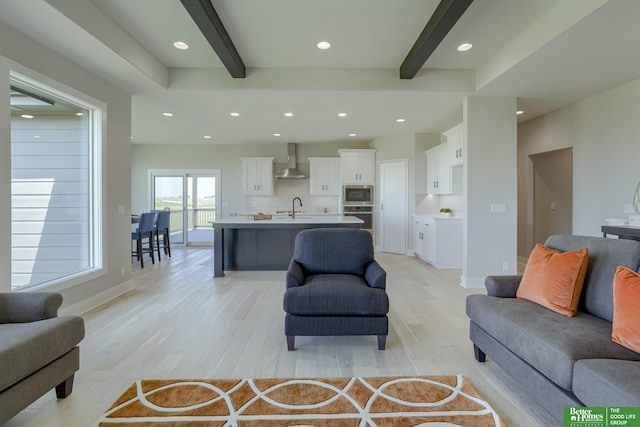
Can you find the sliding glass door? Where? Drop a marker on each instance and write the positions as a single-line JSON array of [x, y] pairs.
[[191, 197]]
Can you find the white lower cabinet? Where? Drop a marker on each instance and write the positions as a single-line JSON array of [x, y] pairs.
[[438, 240]]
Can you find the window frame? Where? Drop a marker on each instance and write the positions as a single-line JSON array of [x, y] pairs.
[[97, 199]]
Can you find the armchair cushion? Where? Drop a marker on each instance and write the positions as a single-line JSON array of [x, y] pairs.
[[336, 295], [20, 307], [334, 250], [375, 276]]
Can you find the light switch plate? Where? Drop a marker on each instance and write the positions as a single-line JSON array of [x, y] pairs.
[[498, 208], [120, 209]]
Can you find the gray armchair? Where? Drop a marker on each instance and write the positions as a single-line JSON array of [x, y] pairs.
[[335, 287], [38, 350]]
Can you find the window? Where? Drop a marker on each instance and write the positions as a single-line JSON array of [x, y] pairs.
[[55, 186]]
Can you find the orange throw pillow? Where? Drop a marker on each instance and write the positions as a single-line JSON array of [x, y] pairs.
[[626, 308], [554, 279]]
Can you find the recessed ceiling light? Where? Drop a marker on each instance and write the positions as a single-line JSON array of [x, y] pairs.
[[181, 45], [353, 134], [465, 47], [79, 114], [324, 45], [277, 134], [207, 137], [400, 120], [342, 114], [519, 112], [167, 114], [288, 114], [37, 136], [26, 116], [234, 114]]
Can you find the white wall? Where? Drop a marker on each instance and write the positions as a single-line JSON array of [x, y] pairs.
[[28, 57], [489, 178], [226, 157], [604, 132]]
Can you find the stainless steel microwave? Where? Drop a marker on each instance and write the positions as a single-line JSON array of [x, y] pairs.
[[357, 195]]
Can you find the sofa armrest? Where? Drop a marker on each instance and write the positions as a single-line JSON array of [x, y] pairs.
[[295, 275], [502, 286], [23, 307], [375, 275]]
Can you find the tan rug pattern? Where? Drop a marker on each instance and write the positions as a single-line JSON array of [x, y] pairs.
[[350, 402]]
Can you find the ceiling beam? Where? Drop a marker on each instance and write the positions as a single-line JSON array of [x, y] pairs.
[[204, 15], [442, 21]]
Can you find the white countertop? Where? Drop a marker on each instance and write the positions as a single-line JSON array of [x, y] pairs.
[[437, 216], [300, 219]]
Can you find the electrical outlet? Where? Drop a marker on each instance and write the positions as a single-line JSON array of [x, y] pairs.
[[122, 271], [120, 209], [505, 266], [553, 206]]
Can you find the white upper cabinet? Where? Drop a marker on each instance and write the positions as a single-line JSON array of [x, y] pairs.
[[257, 175], [438, 170], [324, 176], [454, 137], [358, 166]]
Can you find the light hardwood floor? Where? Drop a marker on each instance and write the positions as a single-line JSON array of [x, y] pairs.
[[179, 322]]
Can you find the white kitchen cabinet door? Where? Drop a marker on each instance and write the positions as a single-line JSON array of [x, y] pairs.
[[358, 166], [438, 241], [418, 237], [454, 139], [257, 175], [438, 170], [324, 176]]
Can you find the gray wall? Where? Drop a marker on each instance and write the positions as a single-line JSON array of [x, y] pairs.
[[30, 58], [552, 194], [604, 132]]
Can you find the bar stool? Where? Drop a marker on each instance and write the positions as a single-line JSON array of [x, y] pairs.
[[145, 230]]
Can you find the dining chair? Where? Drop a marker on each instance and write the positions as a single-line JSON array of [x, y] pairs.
[[144, 230], [161, 228]]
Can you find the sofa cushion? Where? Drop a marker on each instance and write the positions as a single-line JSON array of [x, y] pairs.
[[626, 308], [546, 340], [605, 255], [27, 347], [606, 382], [336, 294], [554, 279]]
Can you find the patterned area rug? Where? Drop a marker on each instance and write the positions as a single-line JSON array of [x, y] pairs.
[[434, 401]]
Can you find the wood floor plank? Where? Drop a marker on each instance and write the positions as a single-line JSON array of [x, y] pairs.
[[180, 322]]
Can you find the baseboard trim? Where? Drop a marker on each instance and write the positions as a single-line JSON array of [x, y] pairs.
[[472, 282], [97, 300]]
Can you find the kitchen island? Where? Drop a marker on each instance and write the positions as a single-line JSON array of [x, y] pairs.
[[242, 243]]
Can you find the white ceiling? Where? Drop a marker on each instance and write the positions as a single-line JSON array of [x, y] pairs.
[[545, 53]]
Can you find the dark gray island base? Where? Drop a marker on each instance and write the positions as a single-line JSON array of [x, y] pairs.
[[245, 244]]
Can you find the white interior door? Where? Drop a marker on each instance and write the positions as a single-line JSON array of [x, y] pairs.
[[393, 206]]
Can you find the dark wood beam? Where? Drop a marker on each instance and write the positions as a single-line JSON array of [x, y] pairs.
[[442, 21], [204, 15]]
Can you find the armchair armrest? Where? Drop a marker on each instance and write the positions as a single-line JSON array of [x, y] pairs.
[[375, 275], [23, 307], [295, 275], [502, 286]]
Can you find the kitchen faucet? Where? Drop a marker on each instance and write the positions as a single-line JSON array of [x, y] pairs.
[[293, 207]]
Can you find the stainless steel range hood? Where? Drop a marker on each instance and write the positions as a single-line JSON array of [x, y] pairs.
[[292, 171]]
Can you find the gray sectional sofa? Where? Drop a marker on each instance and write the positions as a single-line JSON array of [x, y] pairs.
[[38, 350], [561, 361]]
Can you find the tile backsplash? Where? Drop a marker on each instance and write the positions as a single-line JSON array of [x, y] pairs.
[[431, 204]]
